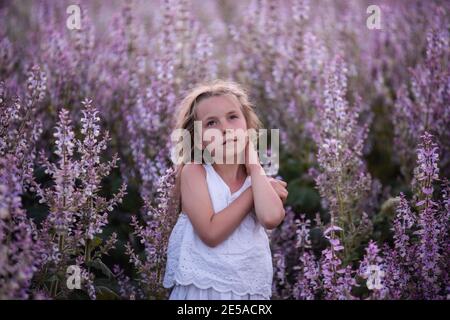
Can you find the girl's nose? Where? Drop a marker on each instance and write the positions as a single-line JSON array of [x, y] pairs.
[[225, 129]]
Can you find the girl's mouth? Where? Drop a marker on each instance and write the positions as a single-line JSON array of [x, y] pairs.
[[229, 140]]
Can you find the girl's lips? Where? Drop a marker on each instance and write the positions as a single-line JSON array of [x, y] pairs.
[[235, 139]]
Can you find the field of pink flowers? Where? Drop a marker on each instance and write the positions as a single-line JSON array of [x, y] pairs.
[[364, 119]]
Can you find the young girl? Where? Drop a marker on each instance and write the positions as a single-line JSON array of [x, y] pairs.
[[219, 248]]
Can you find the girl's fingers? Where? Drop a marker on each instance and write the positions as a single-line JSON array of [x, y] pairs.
[[279, 181], [280, 187], [275, 187], [281, 191], [283, 183], [284, 197]]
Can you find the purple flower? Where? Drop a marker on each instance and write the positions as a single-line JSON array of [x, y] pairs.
[[19, 254], [426, 174], [77, 213], [343, 181], [160, 216]]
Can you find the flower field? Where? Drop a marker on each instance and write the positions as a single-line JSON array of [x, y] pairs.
[[86, 114]]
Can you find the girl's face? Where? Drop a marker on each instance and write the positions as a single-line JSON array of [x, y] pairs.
[[222, 117]]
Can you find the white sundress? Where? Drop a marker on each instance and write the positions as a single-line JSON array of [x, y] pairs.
[[239, 268]]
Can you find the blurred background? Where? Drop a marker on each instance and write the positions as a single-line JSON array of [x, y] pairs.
[[352, 91]]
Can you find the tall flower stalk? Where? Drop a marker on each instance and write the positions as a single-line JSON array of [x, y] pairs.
[[71, 233], [430, 219], [139, 63], [423, 104], [416, 267], [159, 218], [343, 181], [19, 247]]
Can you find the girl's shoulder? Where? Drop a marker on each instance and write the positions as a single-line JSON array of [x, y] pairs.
[[193, 172]]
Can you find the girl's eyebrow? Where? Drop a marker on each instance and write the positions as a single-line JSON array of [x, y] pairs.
[[209, 118], [213, 117]]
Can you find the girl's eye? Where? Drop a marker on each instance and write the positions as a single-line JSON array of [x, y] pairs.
[[234, 116], [210, 123]]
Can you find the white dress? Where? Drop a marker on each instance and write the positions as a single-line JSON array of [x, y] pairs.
[[239, 268]]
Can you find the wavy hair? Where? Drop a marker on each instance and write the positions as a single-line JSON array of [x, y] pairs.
[[186, 115]]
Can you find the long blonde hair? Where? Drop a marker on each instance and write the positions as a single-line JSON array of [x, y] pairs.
[[186, 115]]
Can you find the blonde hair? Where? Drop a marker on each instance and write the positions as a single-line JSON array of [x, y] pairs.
[[186, 114]]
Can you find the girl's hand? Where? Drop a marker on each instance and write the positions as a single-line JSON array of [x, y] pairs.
[[280, 188], [251, 158], [251, 165]]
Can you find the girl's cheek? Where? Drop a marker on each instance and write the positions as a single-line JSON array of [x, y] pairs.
[[209, 142]]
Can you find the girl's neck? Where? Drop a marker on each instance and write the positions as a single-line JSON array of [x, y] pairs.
[[231, 172]]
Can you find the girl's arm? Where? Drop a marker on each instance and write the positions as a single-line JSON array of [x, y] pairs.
[[268, 206], [212, 228]]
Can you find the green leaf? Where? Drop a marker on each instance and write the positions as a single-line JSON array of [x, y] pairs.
[[105, 293], [304, 197], [54, 277], [99, 265], [95, 243]]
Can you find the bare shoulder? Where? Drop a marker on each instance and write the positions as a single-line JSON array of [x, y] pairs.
[[194, 189], [193, 172]]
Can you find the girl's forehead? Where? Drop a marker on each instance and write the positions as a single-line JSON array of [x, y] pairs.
[[216, 106]]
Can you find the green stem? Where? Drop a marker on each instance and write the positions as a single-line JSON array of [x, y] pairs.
[[87, 255]]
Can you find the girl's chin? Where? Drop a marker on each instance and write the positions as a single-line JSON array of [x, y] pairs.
[[232, 157]]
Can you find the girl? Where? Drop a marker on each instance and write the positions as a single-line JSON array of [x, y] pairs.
[[219, 248]]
